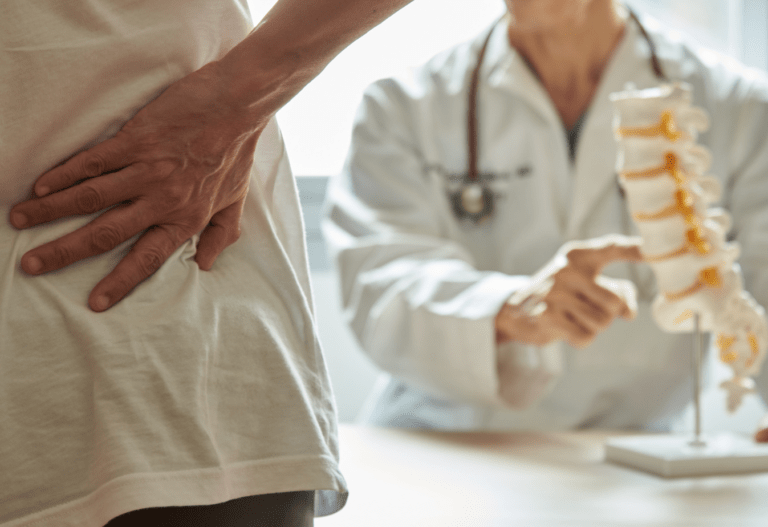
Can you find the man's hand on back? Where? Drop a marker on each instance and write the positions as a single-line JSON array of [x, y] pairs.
[[180, 166]]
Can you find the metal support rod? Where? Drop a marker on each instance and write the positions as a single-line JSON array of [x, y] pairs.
[[697, 441]]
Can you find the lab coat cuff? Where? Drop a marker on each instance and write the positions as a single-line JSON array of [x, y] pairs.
[[496, 290], [522, 373], [526, 372], [481, 379]]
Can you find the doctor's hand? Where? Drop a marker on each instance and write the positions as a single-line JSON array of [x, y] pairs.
[[568, 299], [761, 436], [179, 167]]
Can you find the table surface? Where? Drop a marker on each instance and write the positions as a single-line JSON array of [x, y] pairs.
[[406, 478]]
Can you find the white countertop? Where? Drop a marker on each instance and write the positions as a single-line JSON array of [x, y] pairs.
[[399, 478]]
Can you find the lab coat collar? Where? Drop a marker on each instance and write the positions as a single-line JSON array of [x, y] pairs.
[[504, 68], [595, 174]]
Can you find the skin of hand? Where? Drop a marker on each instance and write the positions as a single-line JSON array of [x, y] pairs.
[[761, 436], [181, 165], [568, 299], [169, 190]]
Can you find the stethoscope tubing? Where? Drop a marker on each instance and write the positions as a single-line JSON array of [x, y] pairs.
[[473, 177], [472, 102]]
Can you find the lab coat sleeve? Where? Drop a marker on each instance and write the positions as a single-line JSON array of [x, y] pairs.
[[746, 191], [414, 298]]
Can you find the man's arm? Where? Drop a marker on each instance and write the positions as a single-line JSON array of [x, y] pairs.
[[182, 164]]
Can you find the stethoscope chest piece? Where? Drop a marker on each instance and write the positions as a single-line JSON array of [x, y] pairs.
[[472, 198], [473, 201]]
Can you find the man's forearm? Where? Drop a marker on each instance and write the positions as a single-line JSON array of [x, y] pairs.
[[292, 44]]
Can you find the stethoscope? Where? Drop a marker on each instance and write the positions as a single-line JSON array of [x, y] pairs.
[[474, 201]]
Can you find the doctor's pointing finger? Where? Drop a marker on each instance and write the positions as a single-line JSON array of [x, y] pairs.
[[568, 299]]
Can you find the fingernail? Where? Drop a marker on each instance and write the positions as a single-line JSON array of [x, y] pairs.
[[101, 302], [34, 264], [19, 220], [42, 191]]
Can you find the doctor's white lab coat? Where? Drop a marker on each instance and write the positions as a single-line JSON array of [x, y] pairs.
[[421, 288]]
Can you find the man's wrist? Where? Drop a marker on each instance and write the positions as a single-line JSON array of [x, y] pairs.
[[292, 44], [257, 87]]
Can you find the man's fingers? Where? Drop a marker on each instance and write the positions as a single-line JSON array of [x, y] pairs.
[[223, 231], [99, 236], [86, 198], [590, 256], [146, 256], [112, 154]]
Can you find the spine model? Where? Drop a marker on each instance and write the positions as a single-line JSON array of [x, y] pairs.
[[661, 169]]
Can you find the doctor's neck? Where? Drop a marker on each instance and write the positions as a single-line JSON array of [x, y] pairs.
[[568, 44]]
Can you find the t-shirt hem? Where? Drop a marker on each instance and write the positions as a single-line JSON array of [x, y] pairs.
[[198, 487]]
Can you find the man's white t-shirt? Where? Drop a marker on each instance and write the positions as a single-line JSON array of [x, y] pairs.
[[199, 387]]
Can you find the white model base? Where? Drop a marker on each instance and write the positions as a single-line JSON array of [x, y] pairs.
[[674, 456]]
